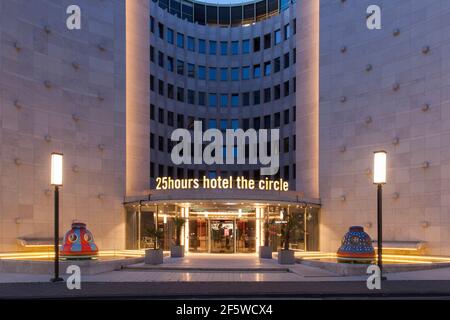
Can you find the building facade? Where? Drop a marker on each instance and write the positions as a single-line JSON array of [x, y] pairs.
[[110, 95]]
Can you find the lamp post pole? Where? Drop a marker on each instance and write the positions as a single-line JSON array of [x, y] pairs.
[[56, 237], [380, 227]]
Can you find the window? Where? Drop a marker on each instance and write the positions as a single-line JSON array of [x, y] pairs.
[[212, 100], [277, 120], [245, 46], [170, 36], [202, 72], [294, 142], [180, 94], [294, 27], [152, 141], [152, 24], [180, 67], [294, 84], [170, 118], [294, 113], [152, 54], [245, 73], [276, 65], [257, 123], [286, 173], [224, 100], [267, 41], [160, 115], [170, 91], [287, 31], [286, 145], [160, 143], [161, 59], [267, 122], [267, 68], [152, 83], [256, 97], [170, 64], [180, 173], [212, 174], [256, 71], [191, 43], [152, 112], [202, 99], [161, 87], [223, 124], [213, 74], [256, 44], [277, 92], [191, 96], [235, 48], [246, 99], [152, 170], [201, 46], [294, 56], [235, 124], [223, 74], [286, 60], [235, 100], [286, 116], [277, 37], [224, 48], [286, 88], [191, 70], [212, 47], [180, 121], [212, 124], [245, 124], [180, 40], [235, 74], [161, 30], [267, 95]]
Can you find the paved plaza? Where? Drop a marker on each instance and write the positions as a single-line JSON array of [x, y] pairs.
[[217, 275]]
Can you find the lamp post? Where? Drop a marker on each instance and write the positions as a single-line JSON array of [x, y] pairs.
[[379, 178], [56, 180]]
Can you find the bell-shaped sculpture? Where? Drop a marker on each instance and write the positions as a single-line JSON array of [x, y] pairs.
[[356, 247], [78, 243]]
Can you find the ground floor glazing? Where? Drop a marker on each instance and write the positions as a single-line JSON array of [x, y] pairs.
[[222, 227]]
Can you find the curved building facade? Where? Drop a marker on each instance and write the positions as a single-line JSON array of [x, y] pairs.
[[228, 67]]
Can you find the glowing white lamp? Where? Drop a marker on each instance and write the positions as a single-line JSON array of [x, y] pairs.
[[379, 167], [56, 176]]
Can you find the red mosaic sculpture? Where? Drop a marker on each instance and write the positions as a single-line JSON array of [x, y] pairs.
[[78, 243]]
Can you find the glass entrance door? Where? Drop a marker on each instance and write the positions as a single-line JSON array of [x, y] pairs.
[[222, 236]]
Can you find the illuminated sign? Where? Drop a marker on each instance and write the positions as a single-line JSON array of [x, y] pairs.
[[240, 183]]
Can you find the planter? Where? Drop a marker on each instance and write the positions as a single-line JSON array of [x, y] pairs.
[[153, 256], [177, 251], [265, 252], [286, 257]]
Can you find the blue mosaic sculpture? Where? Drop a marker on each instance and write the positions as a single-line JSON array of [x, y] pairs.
[[356, 247]]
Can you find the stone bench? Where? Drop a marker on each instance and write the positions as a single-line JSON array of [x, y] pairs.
[[36, 244], [402, 247]]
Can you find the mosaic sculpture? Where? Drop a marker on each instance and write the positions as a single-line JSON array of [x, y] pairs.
[[356, 247], [78, 243]]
